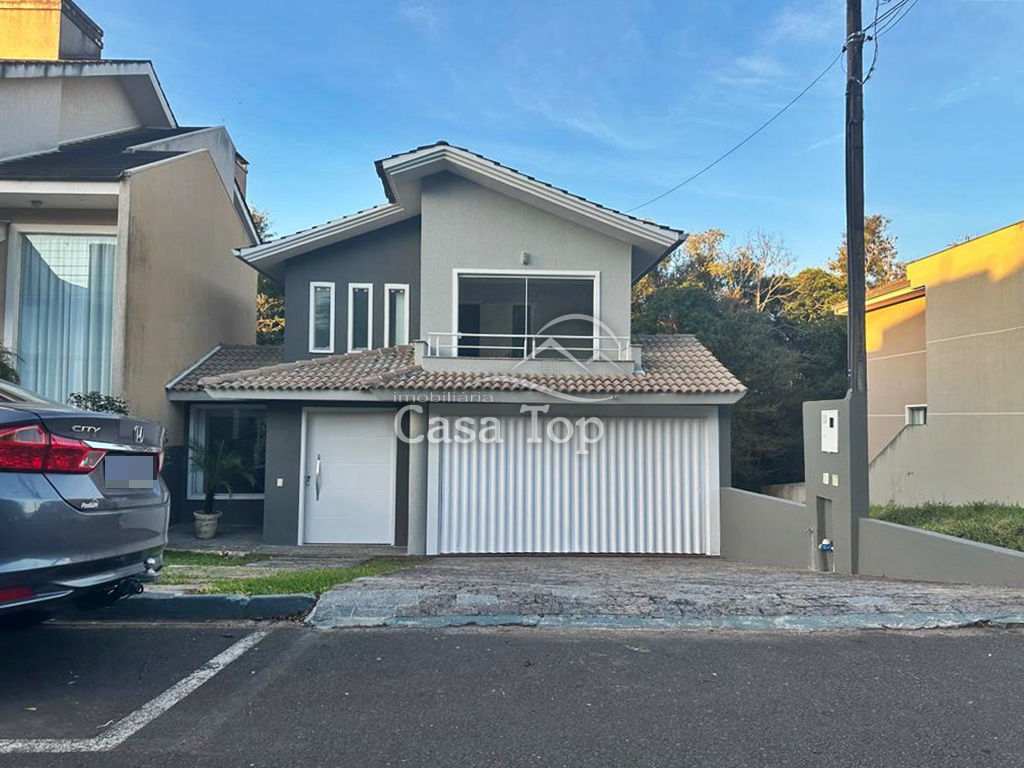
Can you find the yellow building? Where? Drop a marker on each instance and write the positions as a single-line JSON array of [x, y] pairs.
[[47, 30], [946, 375]]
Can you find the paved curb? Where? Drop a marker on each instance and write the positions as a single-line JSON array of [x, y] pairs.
[[161, 606], [901, 621]]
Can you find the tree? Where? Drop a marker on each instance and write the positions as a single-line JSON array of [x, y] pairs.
[[813, 294], [766, 434], [756, 272], [777, 333], [269, 295], [881, 262]]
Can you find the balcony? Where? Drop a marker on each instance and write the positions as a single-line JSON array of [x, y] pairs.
[[528, 346], [534, 353]]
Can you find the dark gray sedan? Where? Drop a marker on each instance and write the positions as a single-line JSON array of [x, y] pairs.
[[83, 509]]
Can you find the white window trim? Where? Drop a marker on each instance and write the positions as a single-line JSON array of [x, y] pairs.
[[906, 414], [12, 301], [197, 433], [329, 349], [369, 311], [594, 275], [388, 287]]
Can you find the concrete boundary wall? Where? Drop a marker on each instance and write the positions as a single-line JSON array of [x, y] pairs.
[[901, 552], [766, 530]]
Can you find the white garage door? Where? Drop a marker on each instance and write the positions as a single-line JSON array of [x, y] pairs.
[[646, 487], [349, 463]]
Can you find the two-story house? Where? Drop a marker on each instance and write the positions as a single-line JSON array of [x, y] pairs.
[[117, 224], [459, 375], [945, 352]]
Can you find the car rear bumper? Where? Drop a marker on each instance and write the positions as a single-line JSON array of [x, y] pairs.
[[50, 551]]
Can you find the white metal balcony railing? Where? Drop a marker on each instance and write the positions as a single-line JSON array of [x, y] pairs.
[[527, 346]]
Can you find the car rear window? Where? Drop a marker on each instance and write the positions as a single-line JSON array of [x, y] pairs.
[[12, 393]]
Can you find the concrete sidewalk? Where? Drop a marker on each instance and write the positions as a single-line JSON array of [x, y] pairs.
[[655, 592]]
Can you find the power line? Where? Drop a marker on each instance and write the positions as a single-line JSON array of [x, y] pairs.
[[735, 147], [898, 19], [882, 23]]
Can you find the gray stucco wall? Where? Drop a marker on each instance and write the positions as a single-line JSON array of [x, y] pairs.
[[766, 530], [901, 552], [468, 226], [389, 255], [284, 446]]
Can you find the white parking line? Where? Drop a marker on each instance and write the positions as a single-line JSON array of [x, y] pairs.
[[134, 722]]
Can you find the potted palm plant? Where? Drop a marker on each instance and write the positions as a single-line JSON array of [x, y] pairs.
[[220, 466]]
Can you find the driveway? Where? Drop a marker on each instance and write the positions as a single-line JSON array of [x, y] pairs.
[[652, 591]]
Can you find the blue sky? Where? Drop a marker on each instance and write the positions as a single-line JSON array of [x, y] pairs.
[[615, 101]]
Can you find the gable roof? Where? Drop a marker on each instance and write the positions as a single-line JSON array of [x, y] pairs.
[[103, 158], [673, 364], [137, 77], [401, 173]]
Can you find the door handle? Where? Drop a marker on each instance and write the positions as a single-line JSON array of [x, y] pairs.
[[319, 481]]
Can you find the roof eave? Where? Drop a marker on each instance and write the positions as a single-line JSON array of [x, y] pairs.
[[425, 161]]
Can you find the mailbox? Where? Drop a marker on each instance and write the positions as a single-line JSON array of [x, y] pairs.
[[830, 431]]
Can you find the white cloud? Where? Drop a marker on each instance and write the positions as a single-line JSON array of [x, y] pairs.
[[423, 15], [808, 23]]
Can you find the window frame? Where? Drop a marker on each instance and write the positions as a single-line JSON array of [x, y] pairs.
[[369, 316], [197, 433], [910, 408], [313, 349], [581, 274], [388, 287]]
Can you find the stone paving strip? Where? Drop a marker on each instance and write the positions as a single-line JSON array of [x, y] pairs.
[[652, 591]]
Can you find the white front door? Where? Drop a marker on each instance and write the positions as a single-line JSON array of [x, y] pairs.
[[349, 478]]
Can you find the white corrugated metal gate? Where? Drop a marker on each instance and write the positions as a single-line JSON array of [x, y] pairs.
[[647, 487]]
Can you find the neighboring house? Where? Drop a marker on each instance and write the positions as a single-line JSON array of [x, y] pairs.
[[452, 297], [945, 370], [116, 224]]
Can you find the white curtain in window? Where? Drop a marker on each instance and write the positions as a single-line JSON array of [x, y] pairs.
[[65, 313]]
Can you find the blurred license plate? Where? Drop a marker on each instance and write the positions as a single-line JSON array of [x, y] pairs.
[[129, 472]]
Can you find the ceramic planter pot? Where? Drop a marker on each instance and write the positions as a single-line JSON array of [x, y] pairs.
[[206, 525]]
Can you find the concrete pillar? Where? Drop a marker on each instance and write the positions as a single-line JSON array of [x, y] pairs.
[[417, 544]]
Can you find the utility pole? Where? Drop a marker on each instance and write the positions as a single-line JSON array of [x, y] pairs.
[[857, 354], [858, 488]]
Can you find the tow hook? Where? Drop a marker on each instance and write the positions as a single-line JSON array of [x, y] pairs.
[[129, 587]]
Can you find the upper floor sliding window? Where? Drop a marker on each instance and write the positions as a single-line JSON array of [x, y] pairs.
[[513, 315], [60, 311], [321, 317], [396, 314], [360, 316]]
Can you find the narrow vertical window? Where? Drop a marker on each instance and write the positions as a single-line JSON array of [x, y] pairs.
[[396, 317], [321, 317], [360, 316]]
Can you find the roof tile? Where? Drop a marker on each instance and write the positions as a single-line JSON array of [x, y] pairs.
[[673, 364]]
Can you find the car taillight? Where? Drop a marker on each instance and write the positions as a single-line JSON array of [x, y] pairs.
[[10, 594], [33, 449]]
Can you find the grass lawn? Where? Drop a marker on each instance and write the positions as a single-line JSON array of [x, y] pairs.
[[999, 524], [315, 580], [175, 557]]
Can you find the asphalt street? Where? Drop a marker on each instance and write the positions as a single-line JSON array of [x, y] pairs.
[[507, 697]]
